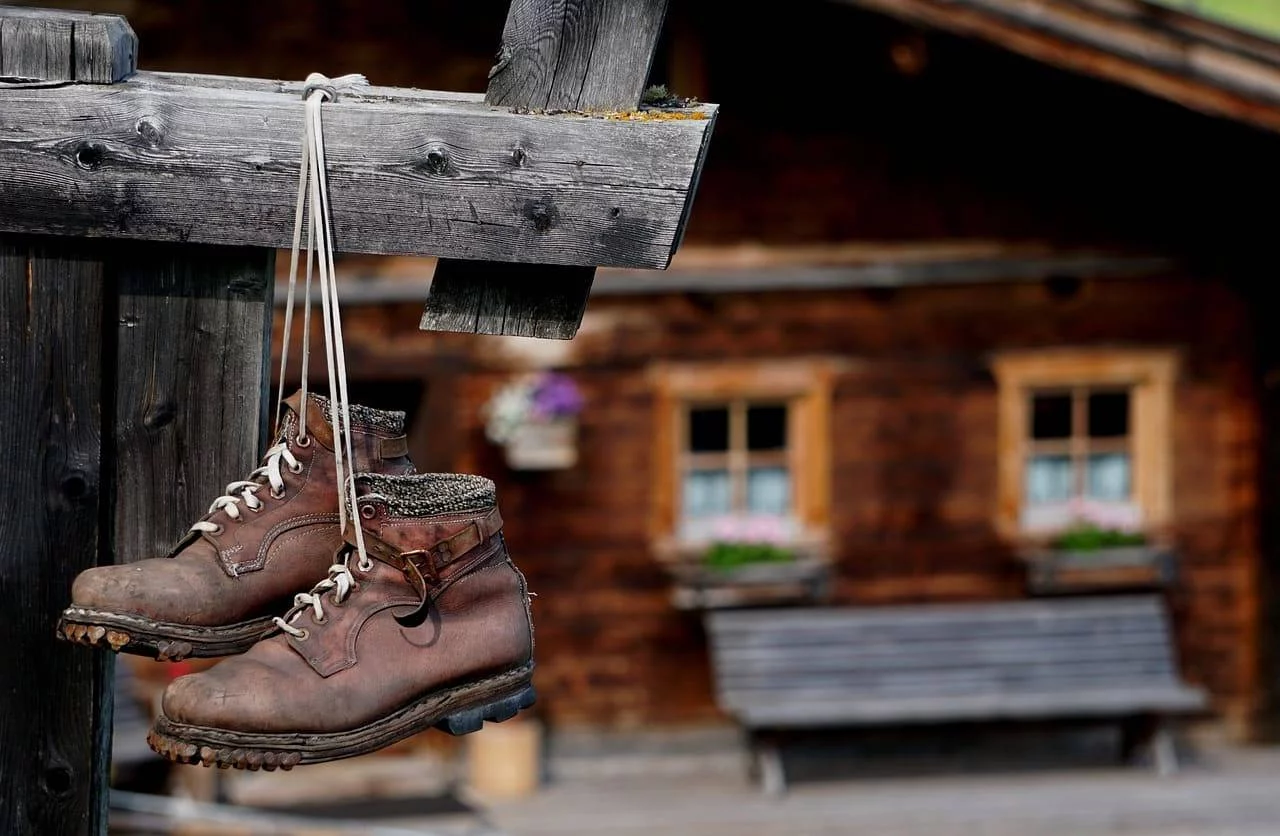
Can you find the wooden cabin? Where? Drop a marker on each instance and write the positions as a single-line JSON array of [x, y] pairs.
[[951, 271]]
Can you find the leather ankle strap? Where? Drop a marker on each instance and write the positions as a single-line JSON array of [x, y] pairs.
[[430, 561], [393, 448]]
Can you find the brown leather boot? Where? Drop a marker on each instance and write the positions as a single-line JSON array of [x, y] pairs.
[[272, 534], [433, 630]]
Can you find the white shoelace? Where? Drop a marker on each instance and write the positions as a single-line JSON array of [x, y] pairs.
[[313, 196], [246, 490]]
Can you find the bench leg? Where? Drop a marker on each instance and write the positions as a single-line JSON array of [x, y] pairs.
[[1163, 751], [773, 778], [1149, 737]]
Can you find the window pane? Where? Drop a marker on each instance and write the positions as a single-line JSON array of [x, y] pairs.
[[1109, 414], [706, 493], [709, 429], [1108, 476], [769, 491], [1049, 479], [1050, 416], [766, 427]]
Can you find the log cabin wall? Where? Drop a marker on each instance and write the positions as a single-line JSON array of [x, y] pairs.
[[913, 464]]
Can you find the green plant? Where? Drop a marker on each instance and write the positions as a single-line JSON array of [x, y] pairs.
[[728, 556], [658, 95], [1089, 537]]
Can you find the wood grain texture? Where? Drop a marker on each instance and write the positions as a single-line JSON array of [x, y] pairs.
[[191, 384], [492, 297], [49, 45], [50, 443], [576, 54], [172, 158], [573, 54]]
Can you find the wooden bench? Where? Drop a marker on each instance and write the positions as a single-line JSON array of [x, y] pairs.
[[1076, 658]]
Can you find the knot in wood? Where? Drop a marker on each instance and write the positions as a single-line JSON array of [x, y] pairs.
[[57, 780], [74, 486], [89, 155], [519, 157], [543, 214], [149, 129], [438, 159]]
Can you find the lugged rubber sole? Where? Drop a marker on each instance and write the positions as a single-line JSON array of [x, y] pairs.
[[461, 709], [158, 639]]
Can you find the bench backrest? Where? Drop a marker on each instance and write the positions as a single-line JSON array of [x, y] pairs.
[[954, 655]]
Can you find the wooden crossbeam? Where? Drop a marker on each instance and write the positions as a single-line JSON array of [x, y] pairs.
[[210, 159], [575, 54]]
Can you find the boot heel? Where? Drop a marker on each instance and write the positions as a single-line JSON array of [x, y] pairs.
[[471, 719]]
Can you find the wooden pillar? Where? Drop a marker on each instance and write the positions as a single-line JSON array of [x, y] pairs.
[[555, 55], [51, 428], [132, 388]]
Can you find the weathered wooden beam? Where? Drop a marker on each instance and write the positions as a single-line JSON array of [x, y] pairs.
[[48, 45], [573, 54], [170, 157], [51, 393]]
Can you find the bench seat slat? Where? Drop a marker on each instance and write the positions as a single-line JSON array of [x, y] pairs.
[[792, 635], [806, 709], [1074, 675]]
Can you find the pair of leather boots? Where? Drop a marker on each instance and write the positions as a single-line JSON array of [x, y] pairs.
[[427, 625]]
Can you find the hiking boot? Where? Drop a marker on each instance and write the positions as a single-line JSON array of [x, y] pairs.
[[273, 533], [432, 629]]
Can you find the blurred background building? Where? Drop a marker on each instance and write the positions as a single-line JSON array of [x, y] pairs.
[[959, 273]]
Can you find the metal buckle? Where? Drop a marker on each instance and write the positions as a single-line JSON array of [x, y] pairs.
[[431, 573]]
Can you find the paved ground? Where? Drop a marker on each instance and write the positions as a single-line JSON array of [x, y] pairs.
[[1228, 792], [1232, 794]]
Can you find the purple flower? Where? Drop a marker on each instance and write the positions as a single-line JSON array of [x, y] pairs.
[[555, 396]]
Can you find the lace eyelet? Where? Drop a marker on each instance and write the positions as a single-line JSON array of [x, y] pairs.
[[319, 620], [217, 529], [333, 599], [302, 440], [257, 509], [295, 468], [367, 511], [303, 635], [275, 495]]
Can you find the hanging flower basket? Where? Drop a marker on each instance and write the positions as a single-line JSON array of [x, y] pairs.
[[535, 420]]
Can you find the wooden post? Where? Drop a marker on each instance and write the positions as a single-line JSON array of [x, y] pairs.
[[51, 384], [556, 54], [134, 388]]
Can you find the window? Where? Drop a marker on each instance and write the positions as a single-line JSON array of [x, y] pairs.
[[734, 461], [741, 443], [1084, 426]]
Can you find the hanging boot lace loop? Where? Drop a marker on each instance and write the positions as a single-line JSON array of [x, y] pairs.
[[313, 205]]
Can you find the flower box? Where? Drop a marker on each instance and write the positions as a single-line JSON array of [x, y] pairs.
[[1103, 548], [1122, 568], [743, 561], [804, 580]]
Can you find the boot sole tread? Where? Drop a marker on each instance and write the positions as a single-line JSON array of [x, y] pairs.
[[459, 710], [160, 640]]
